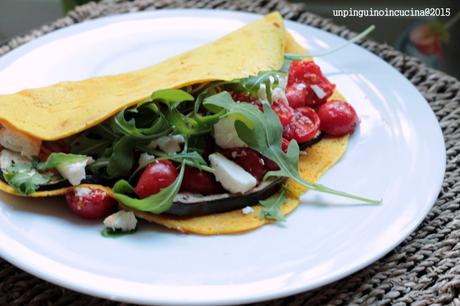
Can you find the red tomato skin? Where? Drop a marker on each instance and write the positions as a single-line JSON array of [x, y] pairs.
[[284, 144], [296, 95], [196, 181], [283, 111], [338, 118], [93, 205], [249, 160], [247, 98], [303, 127], [308, 73], [156, 176]]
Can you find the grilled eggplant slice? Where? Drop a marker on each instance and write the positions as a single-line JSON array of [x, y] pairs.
[[187, 204]]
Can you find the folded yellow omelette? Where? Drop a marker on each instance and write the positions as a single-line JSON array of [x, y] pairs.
[[65, 109]]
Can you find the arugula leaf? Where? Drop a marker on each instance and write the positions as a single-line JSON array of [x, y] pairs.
[[111, 233], [158, 128], [272, 207], [252, 84], [57, 159], [122, 157], [171, 97], [184, 124], [90, 146], [193, 159], [24, 178], [95, 141], [262, 131], [145, 121], [156, 203]]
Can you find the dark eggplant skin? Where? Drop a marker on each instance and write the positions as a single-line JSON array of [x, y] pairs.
[[305, 145], [205, 205]]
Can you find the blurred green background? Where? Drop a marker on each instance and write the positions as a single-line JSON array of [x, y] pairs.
[[19, 16]]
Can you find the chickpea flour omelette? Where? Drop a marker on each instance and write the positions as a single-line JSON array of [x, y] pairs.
[[212, 141]]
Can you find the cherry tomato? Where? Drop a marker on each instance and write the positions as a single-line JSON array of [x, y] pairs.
[[338, 118], [303, 127], [201, 182], [284, 112], [247, 98], [317, 87], [284, 144], [249, 160], [296, 94], [90, 203], [156, 176]]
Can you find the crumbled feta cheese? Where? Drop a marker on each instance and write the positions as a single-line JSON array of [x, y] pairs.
[[282, 82], [278, 94], [8, 158], [225, 134], [74, 172], [168, 144], [122, 220], [232, 177], [82, 191], [262, 92], [300, 86], [247, 210], [145, 158], [319, 92], [19, 142]]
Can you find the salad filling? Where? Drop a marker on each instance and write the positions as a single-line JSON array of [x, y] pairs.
[[205, 148]]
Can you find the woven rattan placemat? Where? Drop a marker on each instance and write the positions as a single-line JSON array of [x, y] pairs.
[[423, 270]]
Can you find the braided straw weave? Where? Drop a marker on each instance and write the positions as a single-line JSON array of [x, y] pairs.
[[423, 270]]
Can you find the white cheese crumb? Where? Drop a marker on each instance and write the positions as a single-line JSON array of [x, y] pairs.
[[19, 142], [232, 177], [122, 220], [279, 94], [225, 134], [168, 144], [82, 191], [74, 172], [145, 158], [319, 92], [247, 210], [262, 92]]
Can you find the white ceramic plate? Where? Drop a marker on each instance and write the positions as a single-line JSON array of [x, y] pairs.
[[397, 154]]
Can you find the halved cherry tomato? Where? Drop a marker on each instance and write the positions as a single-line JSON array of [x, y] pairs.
[[338, 118], [156, 176], [201, 182], [284, 112], [90, 203], [300, 92], [243, 97], [296, 95], [303, 127], [249, 160]]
